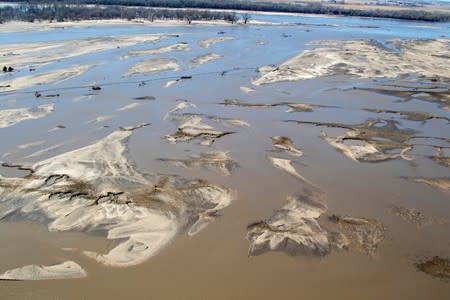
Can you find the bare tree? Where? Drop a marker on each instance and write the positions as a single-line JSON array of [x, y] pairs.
[[246, 18]]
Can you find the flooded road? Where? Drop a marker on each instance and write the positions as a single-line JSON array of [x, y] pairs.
[[199, 162]]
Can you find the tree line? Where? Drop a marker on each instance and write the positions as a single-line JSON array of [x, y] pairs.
[[60, 12], [307, 8]]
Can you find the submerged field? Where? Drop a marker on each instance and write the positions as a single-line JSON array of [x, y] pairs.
[[293, 157]]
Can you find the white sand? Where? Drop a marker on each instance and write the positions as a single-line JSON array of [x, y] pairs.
[[97, 188], [44, 151], [101, 119], [10, 117], [208, 42], [246, 89], [231, 122], [180, 106], [29, 145], [363, 59], [153, 65], [293, 229], [129, 106], [39, 54], [285, 165], [51, 77], [170, 48], [206, 58], [65, 270], [362, 151], [193, 126], [440, 183]]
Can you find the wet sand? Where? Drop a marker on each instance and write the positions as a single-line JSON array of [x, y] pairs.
[[334, 187]]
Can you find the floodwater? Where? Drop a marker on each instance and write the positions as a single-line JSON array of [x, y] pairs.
[[215, 262]]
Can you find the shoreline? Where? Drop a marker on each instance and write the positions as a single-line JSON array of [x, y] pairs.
[[21, 26]]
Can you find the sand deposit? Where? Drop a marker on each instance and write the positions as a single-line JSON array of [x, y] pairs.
[[96, 188], [153, 65], [65, 270], [208, 42], [363, 59], [10, 117]]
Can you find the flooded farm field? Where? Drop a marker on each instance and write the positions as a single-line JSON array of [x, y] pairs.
[[293, 157]]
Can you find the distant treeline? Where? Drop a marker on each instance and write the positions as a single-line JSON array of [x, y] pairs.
[[59, 12], [307, 8]]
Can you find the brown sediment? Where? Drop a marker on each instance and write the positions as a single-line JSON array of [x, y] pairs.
[[437, 267], [429, 92], [371, 142], [236, 102], [439, 183], [285, 144], [410, 115], [216, 160], [410, 215], [292, 107], [440, 158], [365, 234]]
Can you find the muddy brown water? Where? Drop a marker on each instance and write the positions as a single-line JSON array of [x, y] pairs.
[[214, 264]]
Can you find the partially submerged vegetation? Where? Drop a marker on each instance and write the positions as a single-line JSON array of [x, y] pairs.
[[437, 267], [410, 215]]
